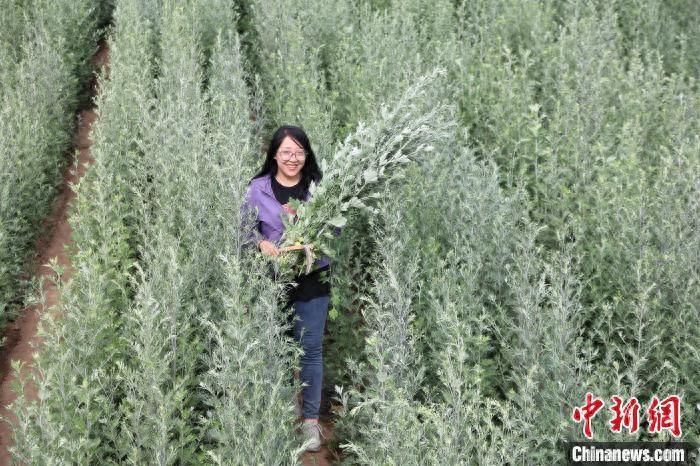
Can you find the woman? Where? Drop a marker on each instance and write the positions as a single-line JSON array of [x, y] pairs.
[[289, 169]]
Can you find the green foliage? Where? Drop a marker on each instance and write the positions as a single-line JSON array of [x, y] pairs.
[[292, 80], [402, 132], [246, 386], [544, 247], [44, 61], [380, 414], [363, 73], [172, 282], [76, 418]]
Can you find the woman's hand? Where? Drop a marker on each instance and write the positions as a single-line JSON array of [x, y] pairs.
[[268, 248]]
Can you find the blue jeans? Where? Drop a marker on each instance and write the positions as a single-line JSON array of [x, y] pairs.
[[309, 324]]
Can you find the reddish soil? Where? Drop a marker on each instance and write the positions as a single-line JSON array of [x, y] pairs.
[[21, 335]]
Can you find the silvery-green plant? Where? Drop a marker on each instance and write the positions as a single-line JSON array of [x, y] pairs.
[[379, 54], [12, 35], [159, 377], [468, 426], [290, 66], [382, 52], [402, 131], [595, 159], [380, 417], [549, 375], [79, 25], [30, 155], [550, 248], [76, 416], [666, 27], [246, 388], [39, 90], [451, 226]]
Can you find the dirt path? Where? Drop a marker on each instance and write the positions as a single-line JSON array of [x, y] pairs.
[[22, 333]]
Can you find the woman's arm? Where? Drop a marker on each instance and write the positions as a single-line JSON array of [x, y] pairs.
[[251, 225], [250, 222]]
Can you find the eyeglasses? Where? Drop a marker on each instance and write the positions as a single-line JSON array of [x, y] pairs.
[[286, 155]]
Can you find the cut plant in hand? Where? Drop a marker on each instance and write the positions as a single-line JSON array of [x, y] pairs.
[[371, 157]]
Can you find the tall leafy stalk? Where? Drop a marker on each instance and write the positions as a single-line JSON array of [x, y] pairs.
[[76, 416]]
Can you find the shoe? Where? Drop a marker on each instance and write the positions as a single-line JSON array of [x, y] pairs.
[[312, 434]]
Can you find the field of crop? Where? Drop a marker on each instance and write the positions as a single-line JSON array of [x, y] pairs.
[[518, 185]]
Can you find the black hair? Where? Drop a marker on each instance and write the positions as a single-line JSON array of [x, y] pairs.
[[309, 172]]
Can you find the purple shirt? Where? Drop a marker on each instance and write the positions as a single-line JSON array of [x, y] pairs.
[[268, 224]]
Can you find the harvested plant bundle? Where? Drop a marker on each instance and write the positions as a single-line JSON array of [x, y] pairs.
[[365, 161]]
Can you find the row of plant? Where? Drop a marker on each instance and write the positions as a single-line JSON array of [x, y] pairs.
[[542, 248], [45, 49], [290, 70], [600, 128], [76, 417], [168, 317], [592, 126]]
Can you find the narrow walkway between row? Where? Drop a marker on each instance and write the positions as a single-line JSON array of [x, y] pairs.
[[21, 334]]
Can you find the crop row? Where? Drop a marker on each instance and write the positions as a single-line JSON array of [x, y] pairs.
[[547, 248], [44, 50]]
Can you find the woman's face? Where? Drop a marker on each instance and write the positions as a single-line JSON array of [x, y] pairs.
[[290, 157]]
